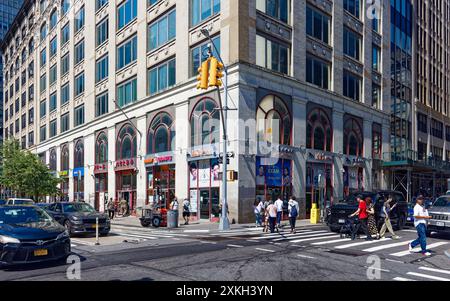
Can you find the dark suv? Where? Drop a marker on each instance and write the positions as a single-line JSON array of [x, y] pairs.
[[340, 211]]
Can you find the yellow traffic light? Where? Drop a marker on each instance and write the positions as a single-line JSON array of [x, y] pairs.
[[215, 73], [202, 77]]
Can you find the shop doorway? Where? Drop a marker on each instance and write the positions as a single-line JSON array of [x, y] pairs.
[[209, 204]]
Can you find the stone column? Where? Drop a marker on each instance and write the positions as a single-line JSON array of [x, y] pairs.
[[367, 132], [89, 161], [182, 142], [338, 147], [111, 132], [71, 165], [141, 176], [299, 163], [299, 40]]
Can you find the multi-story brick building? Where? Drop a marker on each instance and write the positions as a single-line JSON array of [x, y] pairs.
[[305, 76]]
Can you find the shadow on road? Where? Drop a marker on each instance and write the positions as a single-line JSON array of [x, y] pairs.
[[40, 265]]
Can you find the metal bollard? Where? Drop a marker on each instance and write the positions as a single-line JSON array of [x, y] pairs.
[[97, 242]]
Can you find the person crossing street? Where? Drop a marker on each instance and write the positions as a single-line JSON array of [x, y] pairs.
[[279, 206], [420, 222], [386, 210], [293, 209]]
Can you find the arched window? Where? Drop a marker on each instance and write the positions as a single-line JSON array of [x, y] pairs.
[[53, 19], [43, 31], [353, 138], [126, 143], [64, 158], [205, 123], [318, 131], [273, 121], [52, 160], [65, 5], [79, 154], [31, 46], [161, 133], [101, 148], [24, 55]]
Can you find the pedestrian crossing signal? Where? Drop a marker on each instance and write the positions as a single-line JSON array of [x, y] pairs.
[[203, 74]]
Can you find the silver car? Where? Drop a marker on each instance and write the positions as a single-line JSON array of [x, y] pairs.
[[440, 213]]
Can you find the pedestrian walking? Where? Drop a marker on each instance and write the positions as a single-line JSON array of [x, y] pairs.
[[174, 204], [279, 205], [272, 215], [386, 210], [186, 211], [362, 217], [371, 221], [110, 206], [420, 217], [293, 209], [258, 209]]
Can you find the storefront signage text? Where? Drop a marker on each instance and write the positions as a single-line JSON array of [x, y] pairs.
[[101, 168], [320, 157], [64, 173], [125, 164], [158, 160]]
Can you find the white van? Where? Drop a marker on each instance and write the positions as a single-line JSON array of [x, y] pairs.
[[19, 202]]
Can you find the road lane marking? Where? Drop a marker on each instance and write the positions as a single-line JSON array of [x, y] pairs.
[[392, 260], [301, 235], [196, 231], [407, 252], [361, 243], [265, 250], [73, 246], [143, 234], [235, 246], [428, 276], [378, 248], [331, 241], [137, 236], [403, 279], [408, 230], [377, 269], [314, 238], [273, 235], [305, 256], [435, 270]]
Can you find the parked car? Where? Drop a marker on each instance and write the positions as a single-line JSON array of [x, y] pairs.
[[28, 234], [339, 212], [16, 201], [2, 202], [440, 213], [79, 218]]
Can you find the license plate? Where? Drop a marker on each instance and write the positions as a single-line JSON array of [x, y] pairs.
[[341, 221], [440, 224], [41, 252]]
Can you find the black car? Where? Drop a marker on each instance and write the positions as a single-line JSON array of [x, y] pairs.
[[79, 218], [28, 234], [340, 211], [2, 202]]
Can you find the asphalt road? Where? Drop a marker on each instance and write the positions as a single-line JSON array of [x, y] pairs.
[[312, 254]]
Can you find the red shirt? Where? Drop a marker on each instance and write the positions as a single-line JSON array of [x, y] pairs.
[[362, 210]]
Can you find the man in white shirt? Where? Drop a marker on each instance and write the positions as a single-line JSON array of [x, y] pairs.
[[279, 205], [420, 217]]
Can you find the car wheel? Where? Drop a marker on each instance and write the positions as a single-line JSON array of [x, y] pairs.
[[428, 233], [156, 222], [68, 227]]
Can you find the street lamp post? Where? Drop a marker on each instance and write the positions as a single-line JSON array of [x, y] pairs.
[[224, 222]]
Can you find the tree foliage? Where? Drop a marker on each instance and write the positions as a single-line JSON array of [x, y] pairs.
[[24, 173]]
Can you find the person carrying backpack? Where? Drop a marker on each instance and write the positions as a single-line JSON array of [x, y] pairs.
[[186, 211], [293, 209]]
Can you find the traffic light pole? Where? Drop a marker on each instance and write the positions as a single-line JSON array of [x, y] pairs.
[[224, 222]]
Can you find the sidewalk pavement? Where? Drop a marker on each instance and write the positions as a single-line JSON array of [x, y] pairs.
[[202, 225]]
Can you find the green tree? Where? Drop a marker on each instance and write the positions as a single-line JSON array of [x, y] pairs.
[[24, 173]]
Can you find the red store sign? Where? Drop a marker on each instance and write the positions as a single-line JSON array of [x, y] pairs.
[[125, 164], [101, 168]]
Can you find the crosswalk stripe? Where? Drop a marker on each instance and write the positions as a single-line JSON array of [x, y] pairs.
[[144, 234], [331, 241], [403, 279], [361, 243], [265, 250], [428, 276], [435, 270], [73, 246], [294, 236], [378, 248], [407, 252], [315, 238], [273, 235], [322, 235], [137, 236]]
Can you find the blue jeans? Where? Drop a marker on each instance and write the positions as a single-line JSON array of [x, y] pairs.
[[279, 217], [422, 239], [258, 218]]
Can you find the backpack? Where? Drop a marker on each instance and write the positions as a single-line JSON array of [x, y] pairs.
[[186, 207], [294, 211]]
